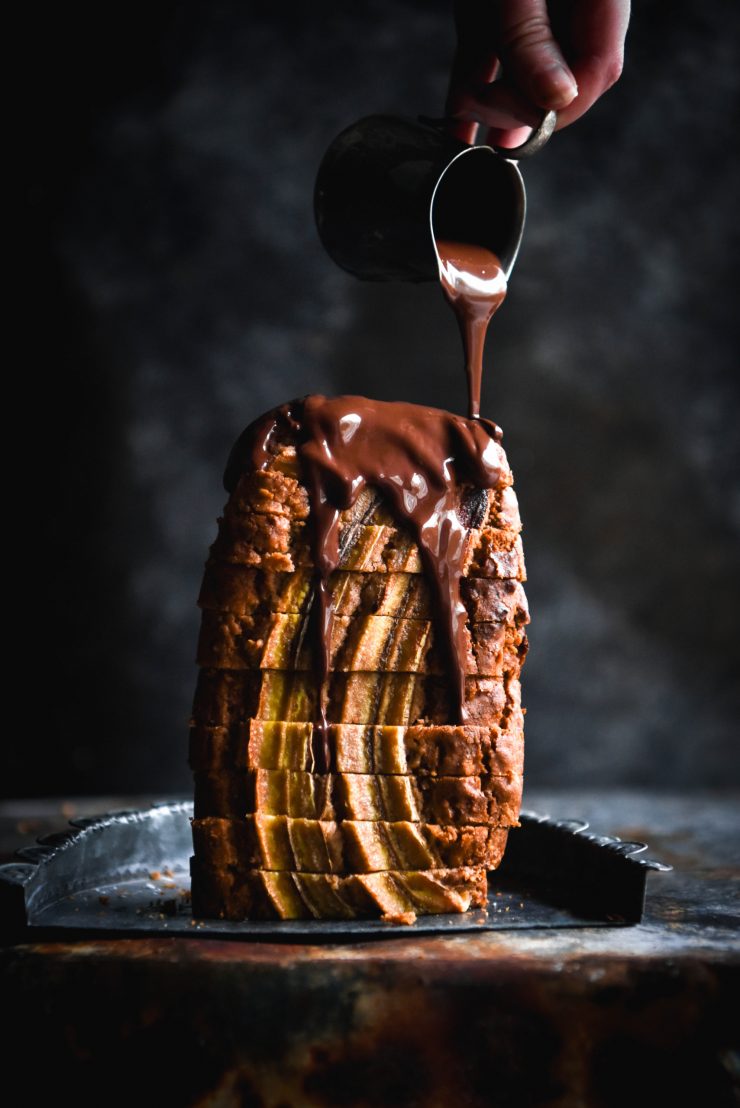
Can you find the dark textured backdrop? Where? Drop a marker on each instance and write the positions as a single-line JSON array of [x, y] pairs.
[[179, 289]]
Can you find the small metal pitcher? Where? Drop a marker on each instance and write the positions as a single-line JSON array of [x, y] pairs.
[[388, 187]]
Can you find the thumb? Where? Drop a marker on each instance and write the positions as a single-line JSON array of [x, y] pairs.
[[530, 57]]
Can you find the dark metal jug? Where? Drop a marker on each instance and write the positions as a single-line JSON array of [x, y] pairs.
[[388, 187]]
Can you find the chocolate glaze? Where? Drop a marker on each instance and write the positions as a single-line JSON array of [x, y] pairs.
[[419, 458], [474, 283]]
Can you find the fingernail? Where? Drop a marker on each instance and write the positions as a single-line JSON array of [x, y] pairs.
[[556, 87]]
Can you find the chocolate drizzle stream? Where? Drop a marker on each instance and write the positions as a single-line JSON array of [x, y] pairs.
[[419, 458], [474, 283]]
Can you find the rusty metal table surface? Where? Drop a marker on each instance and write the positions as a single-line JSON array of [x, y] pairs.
[[631, 1015]]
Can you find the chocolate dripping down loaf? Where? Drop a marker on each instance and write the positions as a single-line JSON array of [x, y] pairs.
[[415, 802]]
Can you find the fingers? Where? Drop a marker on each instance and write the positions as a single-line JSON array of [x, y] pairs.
[[463, 131], [499, 104], [532, 39], [535, 74], [530, 56], [508, 137]]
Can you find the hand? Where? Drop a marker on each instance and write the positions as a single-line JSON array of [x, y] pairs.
[[518, 58]]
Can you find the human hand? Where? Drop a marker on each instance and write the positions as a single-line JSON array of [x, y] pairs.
[[516, 59]]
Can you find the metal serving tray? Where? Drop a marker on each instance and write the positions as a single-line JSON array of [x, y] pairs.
[[127, 874]]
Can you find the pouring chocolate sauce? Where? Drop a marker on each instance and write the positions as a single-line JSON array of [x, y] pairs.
[[474, 283]]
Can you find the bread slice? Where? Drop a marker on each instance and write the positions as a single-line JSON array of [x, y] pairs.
[[274, 543], [225, 697], [360, 796], [257, 593], [347, 846], [278, 490], [358, 644], [399, 896], [450, 751]]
